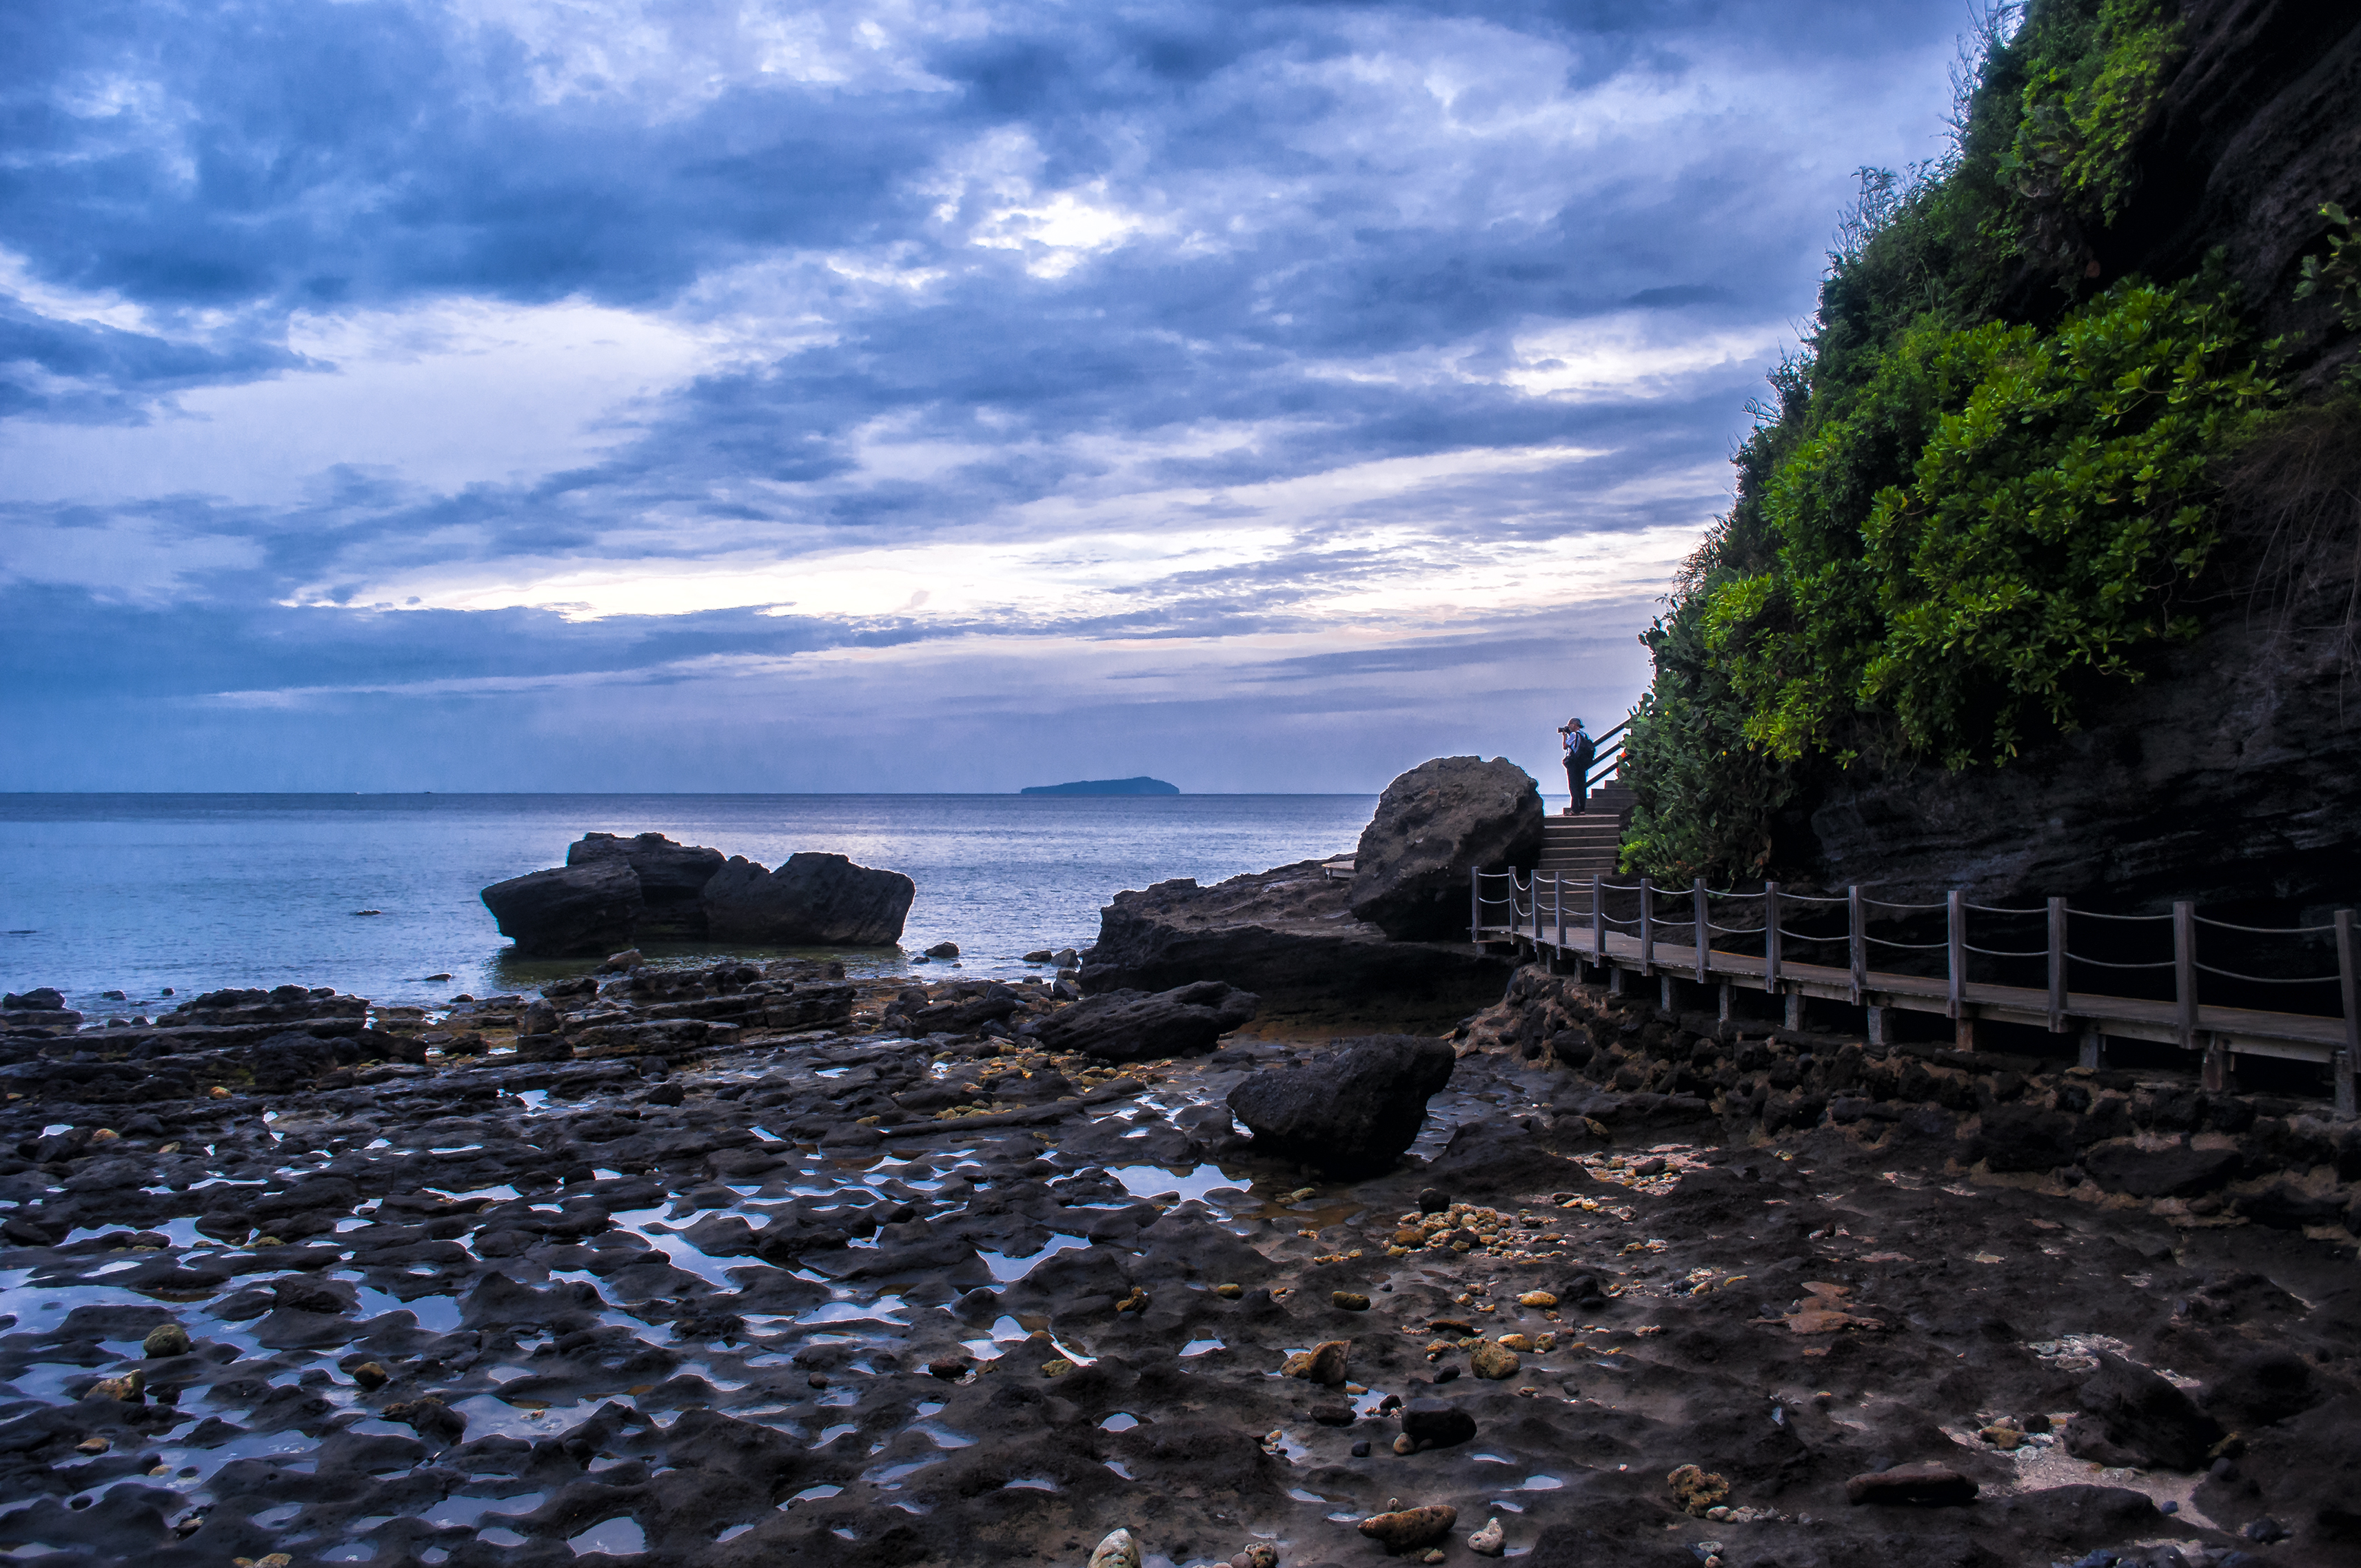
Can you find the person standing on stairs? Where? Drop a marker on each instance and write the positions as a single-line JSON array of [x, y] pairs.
[[1580, 753]]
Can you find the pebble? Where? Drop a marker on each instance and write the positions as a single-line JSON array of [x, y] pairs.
[[1117, 1550], [1920, 1485], [1255, 1554], [1350, 1300], [165, 1339], [1696, 1490], [1491, 1360], [368, 1375], [1361, 1449], [1540, 1298], [1489, 1541], [1323, 1363], [1411, 1529], [1229, 1292], [93, 1445]]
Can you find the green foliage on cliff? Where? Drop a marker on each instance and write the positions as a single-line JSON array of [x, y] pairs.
[[1963, 514]]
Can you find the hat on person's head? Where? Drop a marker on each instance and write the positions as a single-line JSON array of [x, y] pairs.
[[1574, 724]]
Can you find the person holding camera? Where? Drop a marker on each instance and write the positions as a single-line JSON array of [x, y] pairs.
[[1580, 753]]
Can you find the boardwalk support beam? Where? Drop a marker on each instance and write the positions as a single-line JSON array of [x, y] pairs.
[[2184, 971], [1770, 938], [1955, 955], [1705, 929], [2057, 966], [2348, 975], [1858, 942]]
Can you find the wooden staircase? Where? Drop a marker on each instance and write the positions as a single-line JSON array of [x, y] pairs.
[[1582, 847]]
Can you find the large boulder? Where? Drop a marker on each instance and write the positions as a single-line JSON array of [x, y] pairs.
[[1349, 1113], [1287, 935], [813, 900], [1138, 1025], [672, 879], [570, 910], [1434, 825]]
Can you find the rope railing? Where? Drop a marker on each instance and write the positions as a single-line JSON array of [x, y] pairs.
[[1659, 915]]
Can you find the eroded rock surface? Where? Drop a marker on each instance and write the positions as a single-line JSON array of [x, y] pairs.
[[814, 900], [1433, 825], [1355, 1109]]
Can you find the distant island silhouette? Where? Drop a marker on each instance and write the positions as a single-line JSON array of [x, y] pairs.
[[1106, 787]]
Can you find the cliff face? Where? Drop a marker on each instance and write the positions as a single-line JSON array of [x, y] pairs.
[[2232, 774], [2258, 126]]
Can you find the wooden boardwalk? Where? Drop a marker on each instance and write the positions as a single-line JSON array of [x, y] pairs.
[[1546, 921]]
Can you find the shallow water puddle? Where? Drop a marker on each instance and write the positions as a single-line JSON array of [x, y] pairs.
[[1196, 1181], [1007, 1269]]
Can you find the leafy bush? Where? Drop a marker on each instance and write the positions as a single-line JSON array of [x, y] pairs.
[[1973, 503]]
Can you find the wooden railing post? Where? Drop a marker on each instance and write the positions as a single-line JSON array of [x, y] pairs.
[[1704, 926], [1557, 910], [1475, 904], [1859, 943], [2057, 966], [1955, 955], [2348, 975], [1598, 918], [2184, 970], [1647, 928], [1770, 936]]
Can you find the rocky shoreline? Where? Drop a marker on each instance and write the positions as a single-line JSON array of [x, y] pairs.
[[738, 1263]]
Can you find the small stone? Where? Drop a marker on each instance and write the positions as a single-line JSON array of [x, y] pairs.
[[165, 1339], [1696, 1490], [1916, 1486], [126, 1389], [1323, 1363], [1411, 1529], [1435, 1423], [1117, 1550], [1257, 1555], [950, 950], [218, 1092], [1361, 1449], [1057, 1368], [2003, 1436], [93, 1445], [950, 1368], [1437, 1555], [1518, 1343], [1540, 1298], [1229, 1292], [1350, 1300], [104, 1136], [1491, 1360], [370, 1375], [1489, 1541], [273, 1560], [1405, 1444]]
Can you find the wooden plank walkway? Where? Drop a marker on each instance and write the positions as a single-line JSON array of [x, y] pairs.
[[1671, 956]]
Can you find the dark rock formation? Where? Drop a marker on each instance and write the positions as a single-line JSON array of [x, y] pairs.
[[2147, 1416], [815, 900], [1354, 1111], [1138, 1025], [672, 876], [569, 911], [1914, 1486], [1434, 825], [1281, 934]]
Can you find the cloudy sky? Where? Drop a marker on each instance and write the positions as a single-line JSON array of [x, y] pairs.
[[886, 395]]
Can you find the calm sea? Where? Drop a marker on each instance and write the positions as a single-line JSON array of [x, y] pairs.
[[135, 892]]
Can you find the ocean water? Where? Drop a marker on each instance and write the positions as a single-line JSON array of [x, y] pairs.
[[136, 892]]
